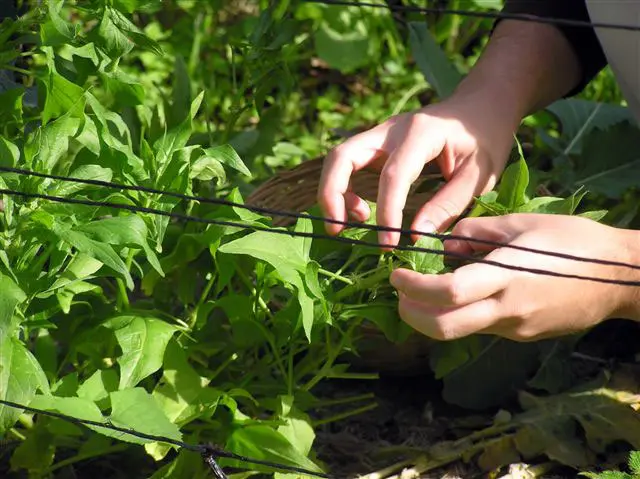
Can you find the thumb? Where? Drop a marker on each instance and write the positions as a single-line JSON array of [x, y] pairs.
[[449, 202]]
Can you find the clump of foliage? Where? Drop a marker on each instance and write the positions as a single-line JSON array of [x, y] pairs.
[[216, 333]]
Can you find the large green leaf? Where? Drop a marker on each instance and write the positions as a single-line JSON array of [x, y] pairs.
[[345, 51], [10, 296], [512, 190], [495, 372], [143, 341], [101, 251], [579, 117], [610, 162], [129, 230], [441, 74], [47, 145], [422, 262], [138, 410], [61, 95], [183, 394], [21, 376], [285, 254], [264, 443], [115, 42]]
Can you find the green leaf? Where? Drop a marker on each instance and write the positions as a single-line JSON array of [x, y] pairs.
[[84, 172], [284, 253], [129, 230], [206, 168], [80, 267], [181, 91], [422, 262], [620, 145], [439, 72], [346, 51], [125, 90], [513, 185], [447, 357], [101, 251], [491, 376], [21, 376], [554, 374], [98, 386], [9, 153], [77, 407], [264, 443], [10, 297], [297, 428], [183, 394], [110, 37], [137, 409], [226, 155], [578, 118], [177, 137], [47, 145], [62, 97], [11, 106], [143, 341], [63, 28], [36, 453], [594, 215]]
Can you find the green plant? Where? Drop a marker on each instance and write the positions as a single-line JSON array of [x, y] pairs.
[[634, 468]]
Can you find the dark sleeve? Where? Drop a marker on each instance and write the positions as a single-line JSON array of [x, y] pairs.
[[583, 40], [7, 9]]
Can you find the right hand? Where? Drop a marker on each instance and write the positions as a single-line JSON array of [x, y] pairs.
[[471, 148]]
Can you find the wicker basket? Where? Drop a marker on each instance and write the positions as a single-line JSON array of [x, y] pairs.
[[296, 190]]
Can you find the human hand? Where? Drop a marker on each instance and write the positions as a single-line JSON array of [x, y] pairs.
[[470, 146], [480, 298]]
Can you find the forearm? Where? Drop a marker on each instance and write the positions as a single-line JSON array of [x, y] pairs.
[[525, 67], [630, 298]]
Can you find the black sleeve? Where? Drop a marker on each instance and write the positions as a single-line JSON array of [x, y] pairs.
[[583, 40], [7, 9]]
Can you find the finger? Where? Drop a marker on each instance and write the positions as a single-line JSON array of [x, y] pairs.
[[446, 324], [450, 201], [357, 208], [468, 284], [499, 229], [339, 165], [400, 171], [483, 229]]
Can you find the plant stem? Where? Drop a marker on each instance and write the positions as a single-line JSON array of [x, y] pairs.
[[346, 414], [123, 298], [341, 401], [88, 455], [372, 280], [331, 357], [202, 300], [336, 276]]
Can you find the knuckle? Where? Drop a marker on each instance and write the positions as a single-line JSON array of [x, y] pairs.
[[444, 330], [454, 290], [522, 335], [463, 226], [449, 207], [391, 172]]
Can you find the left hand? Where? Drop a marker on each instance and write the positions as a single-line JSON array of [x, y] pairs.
[[480, 298]]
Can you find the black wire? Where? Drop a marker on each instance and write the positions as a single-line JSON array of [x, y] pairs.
[[207, 450], [481, 14], [351, 241], [296, 215]]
